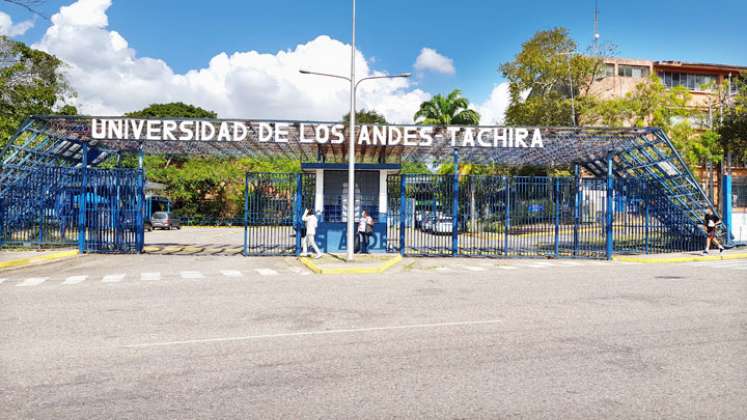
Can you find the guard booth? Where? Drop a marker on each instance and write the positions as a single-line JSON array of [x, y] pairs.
[[330, 202]]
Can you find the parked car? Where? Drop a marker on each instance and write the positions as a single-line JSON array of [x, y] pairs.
[[165, 220], [147, 225], [444, 225]]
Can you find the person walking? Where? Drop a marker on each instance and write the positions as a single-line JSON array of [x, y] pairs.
[[365, 230], [310, 220], [711, 222]]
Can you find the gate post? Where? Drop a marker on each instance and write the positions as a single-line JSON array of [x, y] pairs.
[[246, 215], [558, 202], [578, 200], [402, 211], [297, 218], [646, 226], [610, 209], [140, 201], [82, 199], [507, 216], [455, 207], [726, 200]]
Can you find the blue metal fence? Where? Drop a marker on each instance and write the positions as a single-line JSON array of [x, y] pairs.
[[45, 206], [273, 207], [501, 216]]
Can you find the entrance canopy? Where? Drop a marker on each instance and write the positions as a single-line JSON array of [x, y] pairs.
[[62, 137]]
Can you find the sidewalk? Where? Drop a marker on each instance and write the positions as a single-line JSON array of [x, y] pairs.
[[693, 256], [13, 259], [362, 264]]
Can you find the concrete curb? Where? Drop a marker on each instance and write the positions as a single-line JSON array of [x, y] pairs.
[[351, 270], [22, 262], [694, 258]]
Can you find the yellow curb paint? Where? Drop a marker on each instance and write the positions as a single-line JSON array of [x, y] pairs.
[[310, 265], [694, 258], [42, 258], [351, 270]]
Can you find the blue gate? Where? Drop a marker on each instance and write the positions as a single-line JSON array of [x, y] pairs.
[[95, 210], [273, 207]]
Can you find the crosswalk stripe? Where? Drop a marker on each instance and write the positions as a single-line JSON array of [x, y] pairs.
[[508, 267], [33, 281], [300, 271], [474, 268], [266, 272], [75, 279], [150, 276], [2, 281], [192, 275], [538, 265], [231, 273], [113, 278], [443, 269]]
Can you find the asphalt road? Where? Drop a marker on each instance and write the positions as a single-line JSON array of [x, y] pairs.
[[175, 337]]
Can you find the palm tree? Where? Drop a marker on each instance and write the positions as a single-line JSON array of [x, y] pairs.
[[447, 110]]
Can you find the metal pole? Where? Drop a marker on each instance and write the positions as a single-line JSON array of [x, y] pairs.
[[82, 203], [455, 209], [610, 207], [351, 149], [402, 212], [557, 202], [246, 215], [140, 200], [299, 212], [507, 218], [577, 207]]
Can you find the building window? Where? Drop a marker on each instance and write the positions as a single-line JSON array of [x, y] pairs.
[[609, 69], [692, 81], [637, 72]]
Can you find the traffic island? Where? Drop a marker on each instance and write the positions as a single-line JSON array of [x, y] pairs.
[[18, 259], [714, 255], [362, 264]]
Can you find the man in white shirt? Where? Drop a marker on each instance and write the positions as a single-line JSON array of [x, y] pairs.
[[310, 220]]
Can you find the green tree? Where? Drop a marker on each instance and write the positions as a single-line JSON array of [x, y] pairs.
[[733, 128], [365, 117], [540, 80], [172, 110], [30, 84], [203, 187], [447, 110]]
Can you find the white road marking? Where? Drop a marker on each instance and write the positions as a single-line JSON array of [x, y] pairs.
[[508, 267], [539, 265], [322, 332], [113, 278], [2, 281], [33, 281], [266, 272], [231, 273], [155, 276], [443, 269], [75, 279], [569, 264], [474, 268], [192, 275], [300, 271]]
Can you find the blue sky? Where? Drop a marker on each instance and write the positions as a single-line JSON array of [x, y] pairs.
[[477, 35]]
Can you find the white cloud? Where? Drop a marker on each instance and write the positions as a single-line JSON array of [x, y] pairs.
[[493, 110], [7, 27], [110, 78], [430, 60]]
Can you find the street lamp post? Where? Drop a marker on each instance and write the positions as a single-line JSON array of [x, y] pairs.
[[351, 145]]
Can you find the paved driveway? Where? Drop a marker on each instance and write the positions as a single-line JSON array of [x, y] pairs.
[[231, 337]]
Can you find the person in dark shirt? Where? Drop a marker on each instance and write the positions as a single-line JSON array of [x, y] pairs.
[[711, 222]]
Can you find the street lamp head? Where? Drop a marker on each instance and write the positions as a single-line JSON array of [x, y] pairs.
[[404, 75], [302, 71]]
